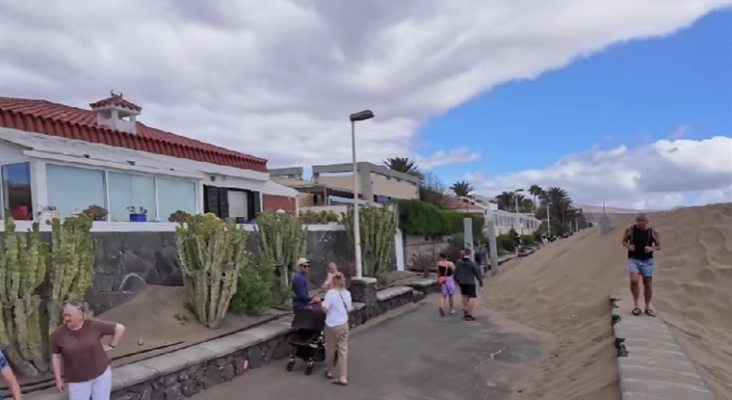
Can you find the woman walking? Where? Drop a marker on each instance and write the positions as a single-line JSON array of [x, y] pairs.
[[337, 304], [445, 271], [79, 358]]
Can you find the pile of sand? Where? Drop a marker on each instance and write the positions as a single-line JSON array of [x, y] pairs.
[[563, 290], [157, 321]]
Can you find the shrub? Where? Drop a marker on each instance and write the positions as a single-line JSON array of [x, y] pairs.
[[423, 219], [528, 240], [505, 242], [254, 293]]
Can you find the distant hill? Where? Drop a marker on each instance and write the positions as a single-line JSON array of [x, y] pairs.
[[595, 213]]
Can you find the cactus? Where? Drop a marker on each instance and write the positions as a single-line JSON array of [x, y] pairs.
[[377, 228], [23, 264], [72, 263], [282, 240], [211, 253]]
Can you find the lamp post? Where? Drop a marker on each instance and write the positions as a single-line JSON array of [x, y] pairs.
[[515, 199], [359, 116], [548, 220]]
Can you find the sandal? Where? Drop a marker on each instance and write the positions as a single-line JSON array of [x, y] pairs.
[[328, 375], [442, 312], [339, 382], [637, 311], [650, 313]]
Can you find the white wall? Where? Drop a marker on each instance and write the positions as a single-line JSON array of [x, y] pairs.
[[10, 154]]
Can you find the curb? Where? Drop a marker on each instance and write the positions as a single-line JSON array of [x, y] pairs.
[[652, 365]]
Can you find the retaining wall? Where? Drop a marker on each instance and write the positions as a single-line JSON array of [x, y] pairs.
[[186, 372]]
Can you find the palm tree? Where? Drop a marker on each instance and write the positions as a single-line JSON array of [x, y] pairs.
[[462, 188], [526, 205], [560, 202], [505, 201], [536, 191], [402, 164]]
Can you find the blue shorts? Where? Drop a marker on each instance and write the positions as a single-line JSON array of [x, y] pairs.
[[643, 267]]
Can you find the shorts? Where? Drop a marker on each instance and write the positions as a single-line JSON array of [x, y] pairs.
[[468, 291], [643, 267]]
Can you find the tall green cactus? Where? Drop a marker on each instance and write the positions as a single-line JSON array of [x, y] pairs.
[[281, 241], [211, 253], [377, 227], [23, 264], [72, 263]]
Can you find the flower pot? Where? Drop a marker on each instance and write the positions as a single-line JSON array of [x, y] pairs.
[[138, 217]]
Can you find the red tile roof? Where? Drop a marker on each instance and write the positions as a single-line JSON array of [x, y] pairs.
[[115, 100], [454, 203], [54, 119]]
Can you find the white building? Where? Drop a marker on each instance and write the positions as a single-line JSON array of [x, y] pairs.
[[52, 155], [524, 224]]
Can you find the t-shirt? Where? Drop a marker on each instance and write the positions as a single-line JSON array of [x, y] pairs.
[[83, 355], [337, 311]]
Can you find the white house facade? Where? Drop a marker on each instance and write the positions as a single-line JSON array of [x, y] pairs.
[[65, 159]]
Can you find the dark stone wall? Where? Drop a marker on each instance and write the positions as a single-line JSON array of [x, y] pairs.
[[127, 261]]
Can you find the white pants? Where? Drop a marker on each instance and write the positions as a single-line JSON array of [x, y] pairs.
[[99, 388]]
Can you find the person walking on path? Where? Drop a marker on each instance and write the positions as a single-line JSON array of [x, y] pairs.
[[641, 241], [466, 273], [79, 358], [9, 378], [337, 304], [445, 271]]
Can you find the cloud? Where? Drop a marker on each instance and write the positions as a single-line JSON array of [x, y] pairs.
[[664, 174], [278, 78], [442, 158]]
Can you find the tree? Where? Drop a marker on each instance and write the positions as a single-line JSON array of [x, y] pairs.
[[432, 190], [462, 188], [403, 164], [505, 201], [536, 191], [526, 206]]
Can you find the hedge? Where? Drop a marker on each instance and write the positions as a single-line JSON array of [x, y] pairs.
[[423, 219]]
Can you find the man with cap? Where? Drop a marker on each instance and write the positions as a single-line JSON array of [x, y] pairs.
[[300, 293]]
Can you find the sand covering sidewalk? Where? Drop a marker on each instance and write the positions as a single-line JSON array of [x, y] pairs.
[[563, 290]]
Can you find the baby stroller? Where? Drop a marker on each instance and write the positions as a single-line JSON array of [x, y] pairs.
[[308, 343]]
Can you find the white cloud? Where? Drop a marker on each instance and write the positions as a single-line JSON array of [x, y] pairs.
[[442, 158], [665, 174], [278, 78]]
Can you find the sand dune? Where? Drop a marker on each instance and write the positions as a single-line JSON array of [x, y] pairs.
[[563, 290]]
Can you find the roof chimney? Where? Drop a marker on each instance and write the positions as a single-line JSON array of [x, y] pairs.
[[117, 113]]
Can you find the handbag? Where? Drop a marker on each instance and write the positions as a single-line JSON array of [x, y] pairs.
[[350, 320]]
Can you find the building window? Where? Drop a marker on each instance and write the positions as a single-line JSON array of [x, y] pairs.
[[174, 195], [16, 199], [72, 190], [129, 190]]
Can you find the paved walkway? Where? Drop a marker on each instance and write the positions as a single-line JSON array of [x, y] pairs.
[[418, 355]]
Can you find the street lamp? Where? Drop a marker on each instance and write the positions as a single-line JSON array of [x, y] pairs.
[[515, 198], [548, 220], [359, 116]]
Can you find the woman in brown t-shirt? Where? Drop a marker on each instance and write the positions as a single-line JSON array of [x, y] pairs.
[[79, 357]]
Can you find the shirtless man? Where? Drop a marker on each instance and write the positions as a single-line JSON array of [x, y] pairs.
[[641, 241]]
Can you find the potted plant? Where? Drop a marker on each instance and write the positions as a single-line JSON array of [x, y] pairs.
[[97, 213], [179, 216], [138, 214], [47, 214]]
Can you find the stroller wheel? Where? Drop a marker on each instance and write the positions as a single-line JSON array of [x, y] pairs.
[[290, 365], [309, 368]]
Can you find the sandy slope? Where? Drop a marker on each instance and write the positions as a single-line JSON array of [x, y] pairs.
[[564, 289]]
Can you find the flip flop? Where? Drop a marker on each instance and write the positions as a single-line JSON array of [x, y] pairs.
[[650, 313], [637, 311], [339, 382]]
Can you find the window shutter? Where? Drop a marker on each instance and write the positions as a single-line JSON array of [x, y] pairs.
[[255, 204], [211, 200], [223, 203]]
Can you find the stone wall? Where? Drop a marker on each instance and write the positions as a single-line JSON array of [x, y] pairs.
[[417, 249], [127, 261]]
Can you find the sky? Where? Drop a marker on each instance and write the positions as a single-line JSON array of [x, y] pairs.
[[625, 102]]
